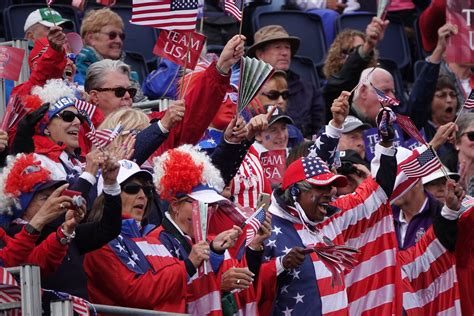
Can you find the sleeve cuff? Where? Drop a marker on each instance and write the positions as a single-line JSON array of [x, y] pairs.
[[230, 143], [428, 60], [162, 128], [112, 189], [89, 177], [332, 131], [449, 214], [385, 151], [279, 265]]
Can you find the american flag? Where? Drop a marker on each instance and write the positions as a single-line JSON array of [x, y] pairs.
[[166, 14], [102, 138], [469, 103], [421, 166], [10, 291], [87, 107], [79, 305], [468, 201], [385, 99], [231, 8], [253, 224]]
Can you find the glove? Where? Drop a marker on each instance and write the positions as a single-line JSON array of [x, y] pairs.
[[23, 142], [385, 120]]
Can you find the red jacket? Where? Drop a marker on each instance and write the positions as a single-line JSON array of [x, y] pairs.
[[203, 99], [22, 249], [112, 282], [50, 65]]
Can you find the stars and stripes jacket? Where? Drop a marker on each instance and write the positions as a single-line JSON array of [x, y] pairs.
[[135, 270], [204, 296]]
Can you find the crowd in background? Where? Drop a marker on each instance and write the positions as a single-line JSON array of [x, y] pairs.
[[345, 230]]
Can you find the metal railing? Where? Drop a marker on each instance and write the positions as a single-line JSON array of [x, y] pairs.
[[30, 303]]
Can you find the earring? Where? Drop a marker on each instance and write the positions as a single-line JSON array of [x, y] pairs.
[[46, 132]]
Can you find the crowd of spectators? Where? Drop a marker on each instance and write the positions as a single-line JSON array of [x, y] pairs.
[[345, 229]]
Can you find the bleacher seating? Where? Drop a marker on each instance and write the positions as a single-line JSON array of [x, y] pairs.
[[395, 42], [137, 62], [304, 67], [14, 18], [306, 26]]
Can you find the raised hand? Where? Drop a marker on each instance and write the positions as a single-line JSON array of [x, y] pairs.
[[444, 133], [236, 131], [259, 123], [56, 38], [232, 52], [375, 32], [174, 114], [55, 205], [94, 159], [340, 109], [263, 233], [226, 239], [454, 195], [110, 170]]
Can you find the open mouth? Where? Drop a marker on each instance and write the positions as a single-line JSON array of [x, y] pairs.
[[449, 110], [139, 206], [73, 133]]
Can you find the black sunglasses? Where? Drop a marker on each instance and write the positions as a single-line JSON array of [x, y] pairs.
[[134, 188], [112, 35], [470, 136], [274, 94], [120, 91], [69, 116]]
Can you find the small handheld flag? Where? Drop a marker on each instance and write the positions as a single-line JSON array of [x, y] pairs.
[[231, 7], [253, 224], [385, 99], [421, 165]]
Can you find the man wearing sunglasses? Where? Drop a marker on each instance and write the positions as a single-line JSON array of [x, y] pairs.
[[275, 46]]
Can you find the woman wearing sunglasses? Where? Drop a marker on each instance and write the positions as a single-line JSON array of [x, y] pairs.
[[463, 160], [186, 177], [136, 270]]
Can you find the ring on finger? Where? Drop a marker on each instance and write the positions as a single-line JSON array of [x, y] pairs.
[[61, 206], [238, 281]]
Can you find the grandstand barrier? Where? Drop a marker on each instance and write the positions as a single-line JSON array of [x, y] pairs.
[[30, 282], [147, 106], [24, 73]]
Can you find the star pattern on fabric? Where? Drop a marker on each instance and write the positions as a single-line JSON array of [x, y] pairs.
[[131, 263], [287, 311], [296, 274], [276, 230], [271, 243], [135, 256], [286, 250], [284, 289], [298, 298], [120, 247]]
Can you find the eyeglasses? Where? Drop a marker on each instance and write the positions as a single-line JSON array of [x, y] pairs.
[[470, 135], [120, 91], [69, 116], [134, 188], [112, 35], [444, 94], [274, 94]]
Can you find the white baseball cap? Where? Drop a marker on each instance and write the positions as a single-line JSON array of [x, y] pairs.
[[127, 170], [47, 17]]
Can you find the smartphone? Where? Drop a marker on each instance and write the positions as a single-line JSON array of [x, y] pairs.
[[265, 200], [71, 193]]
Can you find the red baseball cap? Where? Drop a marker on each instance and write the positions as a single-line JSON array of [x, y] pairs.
[[314, 170]]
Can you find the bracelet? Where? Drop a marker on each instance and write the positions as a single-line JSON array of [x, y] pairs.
[[220, 71], [64, 238]]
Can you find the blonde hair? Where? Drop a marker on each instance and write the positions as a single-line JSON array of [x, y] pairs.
[[95, 20], [131, 119], [280, 79], [334, 60]]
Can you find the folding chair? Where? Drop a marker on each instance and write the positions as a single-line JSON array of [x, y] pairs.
[[307, 27]]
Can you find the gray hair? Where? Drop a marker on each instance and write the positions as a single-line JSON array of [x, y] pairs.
[[465, 121], [366, 77], [303, 186], [96, 72]]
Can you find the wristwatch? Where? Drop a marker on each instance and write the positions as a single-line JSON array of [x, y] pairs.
[[63, 237], [31, 230]]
